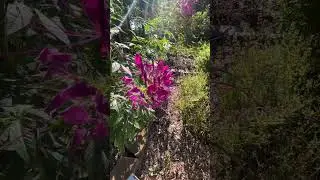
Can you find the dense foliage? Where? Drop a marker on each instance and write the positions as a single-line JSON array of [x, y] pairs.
[[53, 116], [74, 95]]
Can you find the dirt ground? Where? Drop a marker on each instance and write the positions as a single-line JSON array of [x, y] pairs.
[[171, 151]]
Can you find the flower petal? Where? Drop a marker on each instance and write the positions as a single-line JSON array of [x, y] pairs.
[[80, 89], [43, 56], [102, 104], [100, 131], [138, 61], [60, 57], [75, 115], [127, 80]]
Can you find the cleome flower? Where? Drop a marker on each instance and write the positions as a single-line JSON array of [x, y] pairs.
[[186, 7], [156, 79], [88, 106], [96, 12], [54, 63]]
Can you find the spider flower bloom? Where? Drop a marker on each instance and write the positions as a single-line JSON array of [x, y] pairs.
[[75, 115], [102, 105], [54, 62], [157, 79], [97, 14], [137, 97], [186, 7], [77, 90], [100, 131]]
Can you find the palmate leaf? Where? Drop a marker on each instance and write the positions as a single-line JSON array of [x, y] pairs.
[[18, 16], [20, 135], [53, 27], [16, 142], [115, 67]]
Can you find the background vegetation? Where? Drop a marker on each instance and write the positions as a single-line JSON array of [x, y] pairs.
[[265, 127]]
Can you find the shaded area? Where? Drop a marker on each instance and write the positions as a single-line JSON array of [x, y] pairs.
[[253, 112]]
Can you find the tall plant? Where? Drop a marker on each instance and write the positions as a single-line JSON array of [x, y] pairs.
[[68, 138]]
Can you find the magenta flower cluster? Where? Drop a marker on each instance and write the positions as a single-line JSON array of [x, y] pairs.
[[186, 7], [88, 110], [97, 14], [157, 80]]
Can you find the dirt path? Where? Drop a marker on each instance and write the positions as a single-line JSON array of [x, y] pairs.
[[171, 151]]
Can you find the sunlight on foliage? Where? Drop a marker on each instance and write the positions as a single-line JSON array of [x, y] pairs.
[[202, 57], [194, 101]]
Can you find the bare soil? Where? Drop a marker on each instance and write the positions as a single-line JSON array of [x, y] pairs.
[[171, 151]]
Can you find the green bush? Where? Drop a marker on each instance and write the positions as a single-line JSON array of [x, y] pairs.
[[264, 87], [194, 98], [264, 120], [199, 26], [202, 57], [194, 101]]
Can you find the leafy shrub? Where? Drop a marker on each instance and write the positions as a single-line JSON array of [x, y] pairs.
[[125, 122], [264, 85], [264, 120], [199, 27], [153, 47], [194, 97], [143, 88], [194, 102], [202, 57]]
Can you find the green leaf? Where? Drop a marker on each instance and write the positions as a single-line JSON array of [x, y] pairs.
[[95, 161], [56, 155], [18, 16], [115, 66], [114, 105], [39, 113], [136, 124], [6, 102], [52, 27], [114, 30], [16, 142], [121, 45]]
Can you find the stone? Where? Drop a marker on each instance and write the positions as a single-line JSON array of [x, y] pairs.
[[138, 145], [124, 168]]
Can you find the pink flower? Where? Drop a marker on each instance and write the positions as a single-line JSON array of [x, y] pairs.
[[102, 105], [79, 136], [186, 7], [79, 117], [54, 62], [138, 61], [157, 78], [98, 15], [127, 80], [75, 115], [137, 97], [80, 89], [43, 56], [100, 131]]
